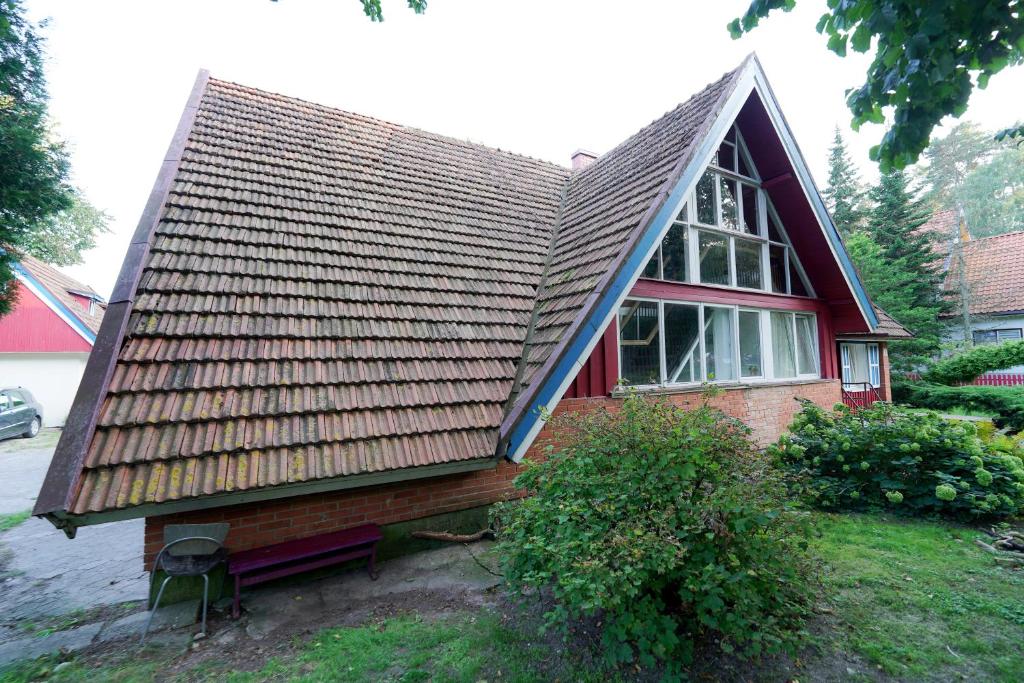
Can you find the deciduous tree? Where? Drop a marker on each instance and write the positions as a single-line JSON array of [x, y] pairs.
[[928, 55]]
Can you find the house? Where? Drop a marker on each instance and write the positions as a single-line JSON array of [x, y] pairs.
[[989, 273], [46, 338], [326, 319]]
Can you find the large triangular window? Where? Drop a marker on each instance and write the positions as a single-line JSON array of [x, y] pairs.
[[728, 234]]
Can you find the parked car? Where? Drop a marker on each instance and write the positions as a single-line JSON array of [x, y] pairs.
[[20, 413]]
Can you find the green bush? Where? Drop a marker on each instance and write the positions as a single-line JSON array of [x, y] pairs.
[[966, 366], [914, 461], [665, 525], [1006, 402]]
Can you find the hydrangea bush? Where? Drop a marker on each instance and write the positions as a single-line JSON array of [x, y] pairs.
[[916, 461], [664, 525]]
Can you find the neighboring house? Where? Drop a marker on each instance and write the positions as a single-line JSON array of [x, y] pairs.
[[993, 285], [46, 339], [326, 319]]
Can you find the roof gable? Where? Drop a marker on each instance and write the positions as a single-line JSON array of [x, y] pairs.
[[603, 261], [59, 292]]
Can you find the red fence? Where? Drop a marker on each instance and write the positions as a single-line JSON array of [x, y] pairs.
[[989, 379]]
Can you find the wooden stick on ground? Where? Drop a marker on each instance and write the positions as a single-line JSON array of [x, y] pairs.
[[454, 538]]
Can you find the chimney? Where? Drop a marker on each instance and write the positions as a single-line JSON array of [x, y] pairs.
[[581, 158]]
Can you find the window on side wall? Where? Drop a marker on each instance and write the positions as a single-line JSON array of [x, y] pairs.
[[679, 343], [996, 336], [861, 364]]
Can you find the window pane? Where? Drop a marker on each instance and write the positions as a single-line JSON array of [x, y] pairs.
[[683, 215], [682, 349], [783, 348], [777, 263], [806, 347], [855, 365], [750, 209], [750, 344], [651, 270], [1010, 333], [638, 342], [706, 199], [730, 207], [714, 258], [673, 250], [796, 283], [984, 336], [774, 234], [748, 264], [874, 367], [718, 344], [743, 169], [726, 156]]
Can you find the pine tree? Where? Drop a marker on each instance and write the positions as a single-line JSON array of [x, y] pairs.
[[901, 268], [843, 196]]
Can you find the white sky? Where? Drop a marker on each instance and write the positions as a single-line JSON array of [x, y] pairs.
[[536, 77]]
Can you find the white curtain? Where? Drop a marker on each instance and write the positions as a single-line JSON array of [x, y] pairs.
[[783, 346]]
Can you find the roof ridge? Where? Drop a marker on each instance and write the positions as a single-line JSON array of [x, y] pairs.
[[655, 122], [373, 119]]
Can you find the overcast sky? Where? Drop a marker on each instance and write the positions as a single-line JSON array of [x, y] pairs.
[[536, 77]]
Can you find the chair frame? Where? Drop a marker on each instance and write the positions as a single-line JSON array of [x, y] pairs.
[[157, 564]]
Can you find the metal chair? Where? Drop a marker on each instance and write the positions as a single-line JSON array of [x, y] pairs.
[[189, 550]]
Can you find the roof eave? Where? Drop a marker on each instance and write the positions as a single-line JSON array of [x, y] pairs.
[[70, 522], [64, 474]]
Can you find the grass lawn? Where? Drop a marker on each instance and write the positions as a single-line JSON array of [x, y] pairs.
[[910, 600], [14, 519], [921, 600]]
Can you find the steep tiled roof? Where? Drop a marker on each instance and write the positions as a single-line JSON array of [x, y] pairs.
[[321, 295], [995, 274], [62, 286], [605, 201], [888, 328], [326, 295]]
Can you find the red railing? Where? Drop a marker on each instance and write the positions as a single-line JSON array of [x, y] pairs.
[[989, 379], [860, 394]]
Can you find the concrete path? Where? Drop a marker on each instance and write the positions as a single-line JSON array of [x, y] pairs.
[[45, 575]]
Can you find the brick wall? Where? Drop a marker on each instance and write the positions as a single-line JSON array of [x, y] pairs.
[[766, 409]]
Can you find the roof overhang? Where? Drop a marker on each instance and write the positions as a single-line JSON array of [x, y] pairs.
[[69, 522], [525, 420]]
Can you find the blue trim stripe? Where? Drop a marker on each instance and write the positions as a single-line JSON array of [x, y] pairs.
[[56, 303]]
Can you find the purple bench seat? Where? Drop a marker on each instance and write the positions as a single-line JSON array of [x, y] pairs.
[[270, 562]]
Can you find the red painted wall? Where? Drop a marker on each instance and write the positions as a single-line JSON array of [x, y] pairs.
[[33, 327], [601, 369]]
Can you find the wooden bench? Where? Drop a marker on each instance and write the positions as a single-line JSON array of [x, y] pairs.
[[250, 567]]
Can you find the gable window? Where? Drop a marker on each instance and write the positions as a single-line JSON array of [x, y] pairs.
[[672, 342], [995, 336], [728, 233]]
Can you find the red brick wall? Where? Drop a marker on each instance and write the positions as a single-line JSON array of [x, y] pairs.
[[766, 409]]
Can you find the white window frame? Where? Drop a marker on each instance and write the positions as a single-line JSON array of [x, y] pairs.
[[874, 365], [767, 365], [689, 219]]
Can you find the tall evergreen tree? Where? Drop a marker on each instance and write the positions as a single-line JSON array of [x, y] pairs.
[[844, 195], [901, 267]]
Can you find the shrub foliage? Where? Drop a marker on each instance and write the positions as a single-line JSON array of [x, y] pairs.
[[665, 525], [885, 456], [966, 366], [1006, 402]]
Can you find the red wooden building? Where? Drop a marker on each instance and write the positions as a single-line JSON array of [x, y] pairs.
[[326, 319], [46, 338]]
